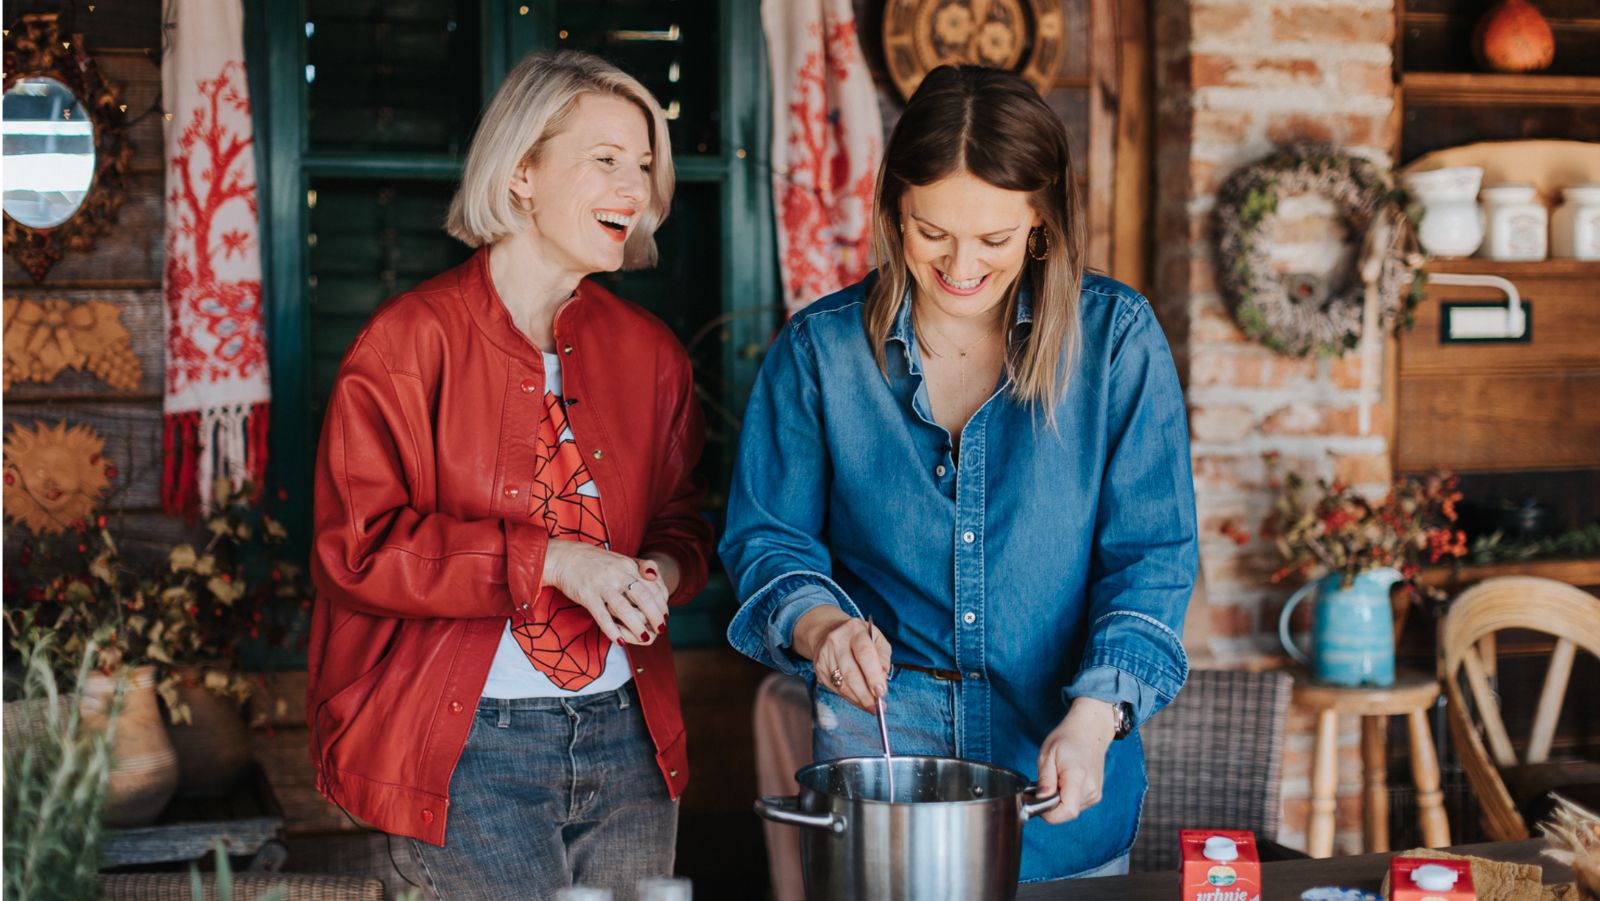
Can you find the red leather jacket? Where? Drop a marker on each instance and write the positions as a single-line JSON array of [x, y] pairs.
[[423, 540]]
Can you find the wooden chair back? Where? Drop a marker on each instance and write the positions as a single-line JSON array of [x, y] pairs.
[[1467, 648]]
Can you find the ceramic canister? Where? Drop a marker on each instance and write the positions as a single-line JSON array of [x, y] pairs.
[[1451, 224], [1517, 224], [1575, 225]]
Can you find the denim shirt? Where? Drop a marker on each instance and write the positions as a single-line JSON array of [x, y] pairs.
[[1043, 563]]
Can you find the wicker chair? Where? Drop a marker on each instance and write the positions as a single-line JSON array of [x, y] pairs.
[[246, 887], [1215, 759], [1513, 792]]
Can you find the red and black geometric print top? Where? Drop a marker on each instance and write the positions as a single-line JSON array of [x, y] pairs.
[[561, 639]]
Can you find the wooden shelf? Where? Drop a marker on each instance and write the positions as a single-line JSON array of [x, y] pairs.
[[1512, 270], [1481, 88], [1579, 571]]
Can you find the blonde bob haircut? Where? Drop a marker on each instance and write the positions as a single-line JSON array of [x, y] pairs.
[[993, 125], [534, 104]]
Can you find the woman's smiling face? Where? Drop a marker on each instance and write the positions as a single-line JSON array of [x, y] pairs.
[[591, 184], [965, 242]]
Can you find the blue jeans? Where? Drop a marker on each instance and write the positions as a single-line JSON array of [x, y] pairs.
[[552, 792], [922, 719]]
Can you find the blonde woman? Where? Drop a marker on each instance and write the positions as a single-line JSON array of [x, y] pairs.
[[505, 512], [984, 448]]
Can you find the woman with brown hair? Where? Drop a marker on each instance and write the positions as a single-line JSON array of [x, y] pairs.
[[505, 510], [984, 448]]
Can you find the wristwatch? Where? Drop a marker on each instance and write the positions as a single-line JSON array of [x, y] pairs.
[[1122, 711]]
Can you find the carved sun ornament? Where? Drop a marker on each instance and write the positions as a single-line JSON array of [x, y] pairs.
[[1024, 36], [43, 337], [54, 475]]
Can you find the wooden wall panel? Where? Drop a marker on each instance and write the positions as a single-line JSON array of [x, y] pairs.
[[1503, 407], [130, 255], [133, 443], [141, 316], [1492, 422], [124, 268]]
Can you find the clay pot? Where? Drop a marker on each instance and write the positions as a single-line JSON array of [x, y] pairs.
[[144, 769], [1514, 37], [214, 746]]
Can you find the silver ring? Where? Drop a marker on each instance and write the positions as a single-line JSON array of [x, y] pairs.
[[630, 586], [837, 676]]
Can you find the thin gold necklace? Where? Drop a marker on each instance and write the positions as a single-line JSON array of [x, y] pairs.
[[961, 352]]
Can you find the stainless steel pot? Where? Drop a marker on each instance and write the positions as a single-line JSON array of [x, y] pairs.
[[954, 830]]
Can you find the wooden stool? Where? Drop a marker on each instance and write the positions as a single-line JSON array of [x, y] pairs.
[[1412, 694]]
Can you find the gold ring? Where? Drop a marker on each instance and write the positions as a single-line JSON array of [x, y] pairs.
[[837, 676]]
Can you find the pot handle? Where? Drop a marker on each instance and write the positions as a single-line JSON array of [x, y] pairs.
[[786, 809], [1284, 637], [1034, 808]]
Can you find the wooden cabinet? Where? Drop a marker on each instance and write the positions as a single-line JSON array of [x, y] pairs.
[[1522, 405], [1518, 419], [1514, 406], [1446, 100]]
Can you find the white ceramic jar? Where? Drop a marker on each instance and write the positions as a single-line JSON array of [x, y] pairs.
[[1575, 225], [1451, 224], [1517, 224]]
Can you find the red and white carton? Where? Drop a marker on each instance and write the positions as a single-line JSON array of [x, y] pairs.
[[1219, 865], [1427, 879]]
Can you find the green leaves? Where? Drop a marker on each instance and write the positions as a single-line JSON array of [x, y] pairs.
[[56, 772], [193, 607]]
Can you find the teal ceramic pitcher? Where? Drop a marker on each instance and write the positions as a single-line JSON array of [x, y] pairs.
[[1352, 629]]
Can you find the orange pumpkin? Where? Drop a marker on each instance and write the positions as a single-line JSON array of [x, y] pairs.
[[1513, 37]]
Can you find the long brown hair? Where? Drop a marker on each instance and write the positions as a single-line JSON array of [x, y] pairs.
[[993, 125]]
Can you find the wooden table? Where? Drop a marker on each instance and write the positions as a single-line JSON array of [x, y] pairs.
[[1412, 695], [1283, 880]]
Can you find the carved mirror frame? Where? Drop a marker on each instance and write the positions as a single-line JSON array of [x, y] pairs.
[[35, 48]]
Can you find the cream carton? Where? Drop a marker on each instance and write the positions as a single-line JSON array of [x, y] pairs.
[[1424, 879], [1219, 865]]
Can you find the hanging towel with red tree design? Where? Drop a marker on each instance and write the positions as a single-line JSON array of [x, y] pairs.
[[217, 390], [827, 138]]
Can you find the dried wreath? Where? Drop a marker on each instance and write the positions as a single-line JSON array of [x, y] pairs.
[[1301, 314]]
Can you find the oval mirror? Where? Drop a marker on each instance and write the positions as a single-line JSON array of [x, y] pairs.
[[49, 152]]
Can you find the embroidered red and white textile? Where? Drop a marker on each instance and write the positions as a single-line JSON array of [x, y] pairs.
[[827, 139], [218, 389]]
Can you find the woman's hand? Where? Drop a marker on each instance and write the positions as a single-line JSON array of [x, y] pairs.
[[1072, 761], [660, 566], [627, 597], [850, 662]]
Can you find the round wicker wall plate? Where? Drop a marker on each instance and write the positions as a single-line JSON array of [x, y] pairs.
[[1024, 36]]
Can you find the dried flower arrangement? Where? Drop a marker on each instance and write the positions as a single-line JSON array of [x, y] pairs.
[[189, 615], [1334, 529]]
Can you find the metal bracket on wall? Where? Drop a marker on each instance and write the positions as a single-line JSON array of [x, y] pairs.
[[1463, 322]]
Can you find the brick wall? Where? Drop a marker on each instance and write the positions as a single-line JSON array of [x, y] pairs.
[[1234, 78]]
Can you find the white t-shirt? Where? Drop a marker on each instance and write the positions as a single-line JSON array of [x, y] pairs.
[[513, 675]]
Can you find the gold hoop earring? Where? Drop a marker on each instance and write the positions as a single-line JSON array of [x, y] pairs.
[[1037, 249]]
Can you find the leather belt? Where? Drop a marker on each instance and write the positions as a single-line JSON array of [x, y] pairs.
[[944, 675]]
